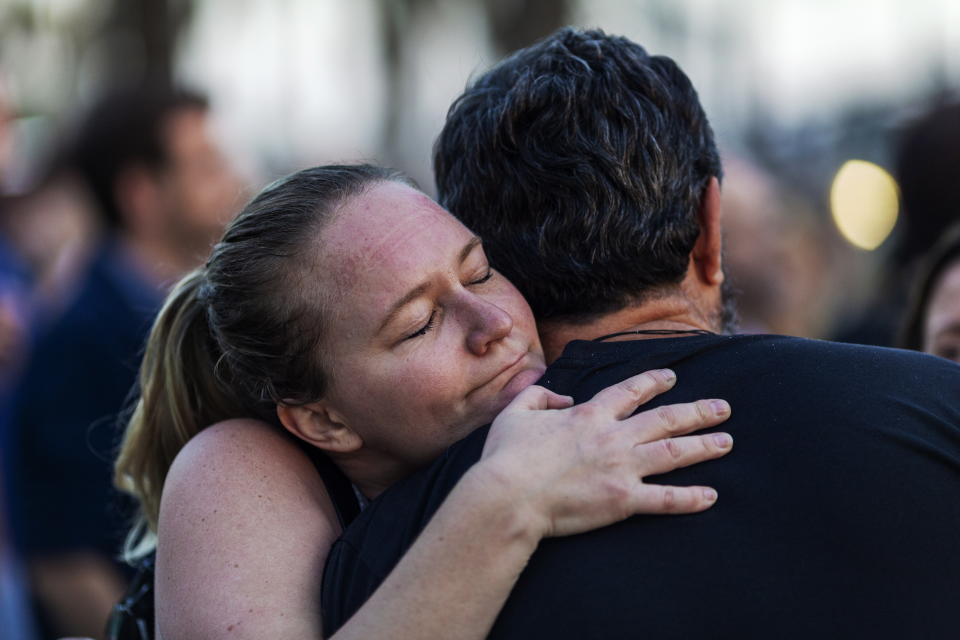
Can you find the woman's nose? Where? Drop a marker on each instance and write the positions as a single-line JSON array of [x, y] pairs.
[[489, 323]]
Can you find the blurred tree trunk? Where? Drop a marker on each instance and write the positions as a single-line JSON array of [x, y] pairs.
[[395, 16], [511, 24], [514, 24], [140, 37]]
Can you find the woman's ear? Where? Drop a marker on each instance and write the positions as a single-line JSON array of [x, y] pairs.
[[317, 424]]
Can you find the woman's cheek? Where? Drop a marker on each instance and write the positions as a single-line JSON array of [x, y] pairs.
[[404, 384], [438, 384]]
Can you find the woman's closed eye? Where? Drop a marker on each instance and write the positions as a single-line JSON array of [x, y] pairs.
[[431, 321], [484, 278], [424, 329]]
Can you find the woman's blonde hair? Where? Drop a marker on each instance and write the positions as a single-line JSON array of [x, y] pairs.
[[237, 336], [179, 396]]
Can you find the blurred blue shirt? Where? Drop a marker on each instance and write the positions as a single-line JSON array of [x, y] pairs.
[[66, 421]]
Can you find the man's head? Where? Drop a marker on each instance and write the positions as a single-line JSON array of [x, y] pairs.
[[584, 162], [153, 168]]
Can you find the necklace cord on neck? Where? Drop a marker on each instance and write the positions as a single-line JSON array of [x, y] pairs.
[[656, 332]]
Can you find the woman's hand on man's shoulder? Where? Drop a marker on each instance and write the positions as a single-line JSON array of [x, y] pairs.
[[576, 468]]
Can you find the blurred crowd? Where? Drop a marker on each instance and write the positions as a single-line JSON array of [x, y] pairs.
[[128, 202], [134, 195]]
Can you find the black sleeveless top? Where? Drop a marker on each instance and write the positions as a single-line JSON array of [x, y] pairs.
[[133, 617], [338, 485]]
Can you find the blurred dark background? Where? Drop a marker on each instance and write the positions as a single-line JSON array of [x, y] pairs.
[[794, 90]]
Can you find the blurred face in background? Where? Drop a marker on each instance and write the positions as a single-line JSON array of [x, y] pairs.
[[942, 322], [6, 138], [200, 190]]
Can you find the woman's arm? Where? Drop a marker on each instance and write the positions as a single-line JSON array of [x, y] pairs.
[[543, 473], [245, 527], [246, 524]]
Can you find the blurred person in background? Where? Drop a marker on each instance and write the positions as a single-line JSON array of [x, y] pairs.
[[932, 323], [162, 191], [15, 277], [46, 236], [6, 137], [52, 229], [14, 286], [927, 168], [773, 257]]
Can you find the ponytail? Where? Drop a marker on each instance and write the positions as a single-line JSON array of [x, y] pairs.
[[179, 396]]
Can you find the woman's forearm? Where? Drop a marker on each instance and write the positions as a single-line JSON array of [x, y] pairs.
[[454, 579]]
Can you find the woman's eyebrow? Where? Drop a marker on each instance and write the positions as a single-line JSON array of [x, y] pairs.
[[420, 289], [468, 248]]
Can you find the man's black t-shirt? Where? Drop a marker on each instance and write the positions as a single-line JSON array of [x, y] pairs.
[[838, 516]]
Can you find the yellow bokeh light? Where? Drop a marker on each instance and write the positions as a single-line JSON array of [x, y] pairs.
[[864, 201]]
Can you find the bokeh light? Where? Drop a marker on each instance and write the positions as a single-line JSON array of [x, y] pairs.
[[864, 201]]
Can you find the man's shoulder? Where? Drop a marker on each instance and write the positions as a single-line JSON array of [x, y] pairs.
[[878, 365], [787, 346], [721, 363], [840, 349]]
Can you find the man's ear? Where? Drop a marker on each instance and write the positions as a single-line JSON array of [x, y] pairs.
[[317, 424], [708, 250]]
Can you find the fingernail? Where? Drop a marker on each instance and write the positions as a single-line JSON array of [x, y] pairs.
[[709, 495], [720, 407], [669, 375], [722, 440]]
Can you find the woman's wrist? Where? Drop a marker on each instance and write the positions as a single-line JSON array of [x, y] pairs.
[[500, 502]]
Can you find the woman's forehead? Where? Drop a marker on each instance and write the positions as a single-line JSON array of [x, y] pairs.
[[387, 236], [386, 215]]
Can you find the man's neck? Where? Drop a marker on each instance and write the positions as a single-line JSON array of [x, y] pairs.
[[669, 313]]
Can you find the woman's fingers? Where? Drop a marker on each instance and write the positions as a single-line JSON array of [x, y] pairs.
[[673, 453], [677, 419], [537, 398], [657, 499], [583, 467], [623, 398]]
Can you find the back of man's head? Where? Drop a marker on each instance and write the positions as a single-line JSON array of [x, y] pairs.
[[124, 130], [582, 160]]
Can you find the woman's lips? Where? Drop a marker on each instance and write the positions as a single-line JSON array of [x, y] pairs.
[[520, 381], [516, 377]]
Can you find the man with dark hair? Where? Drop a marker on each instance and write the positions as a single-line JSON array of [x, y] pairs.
[[520, 157], [163, 191], [590, 170]]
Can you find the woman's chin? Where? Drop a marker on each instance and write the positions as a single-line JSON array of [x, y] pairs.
[[518, 383], [498, 402]]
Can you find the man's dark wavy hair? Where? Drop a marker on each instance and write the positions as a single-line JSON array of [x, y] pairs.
[[582, 161]]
